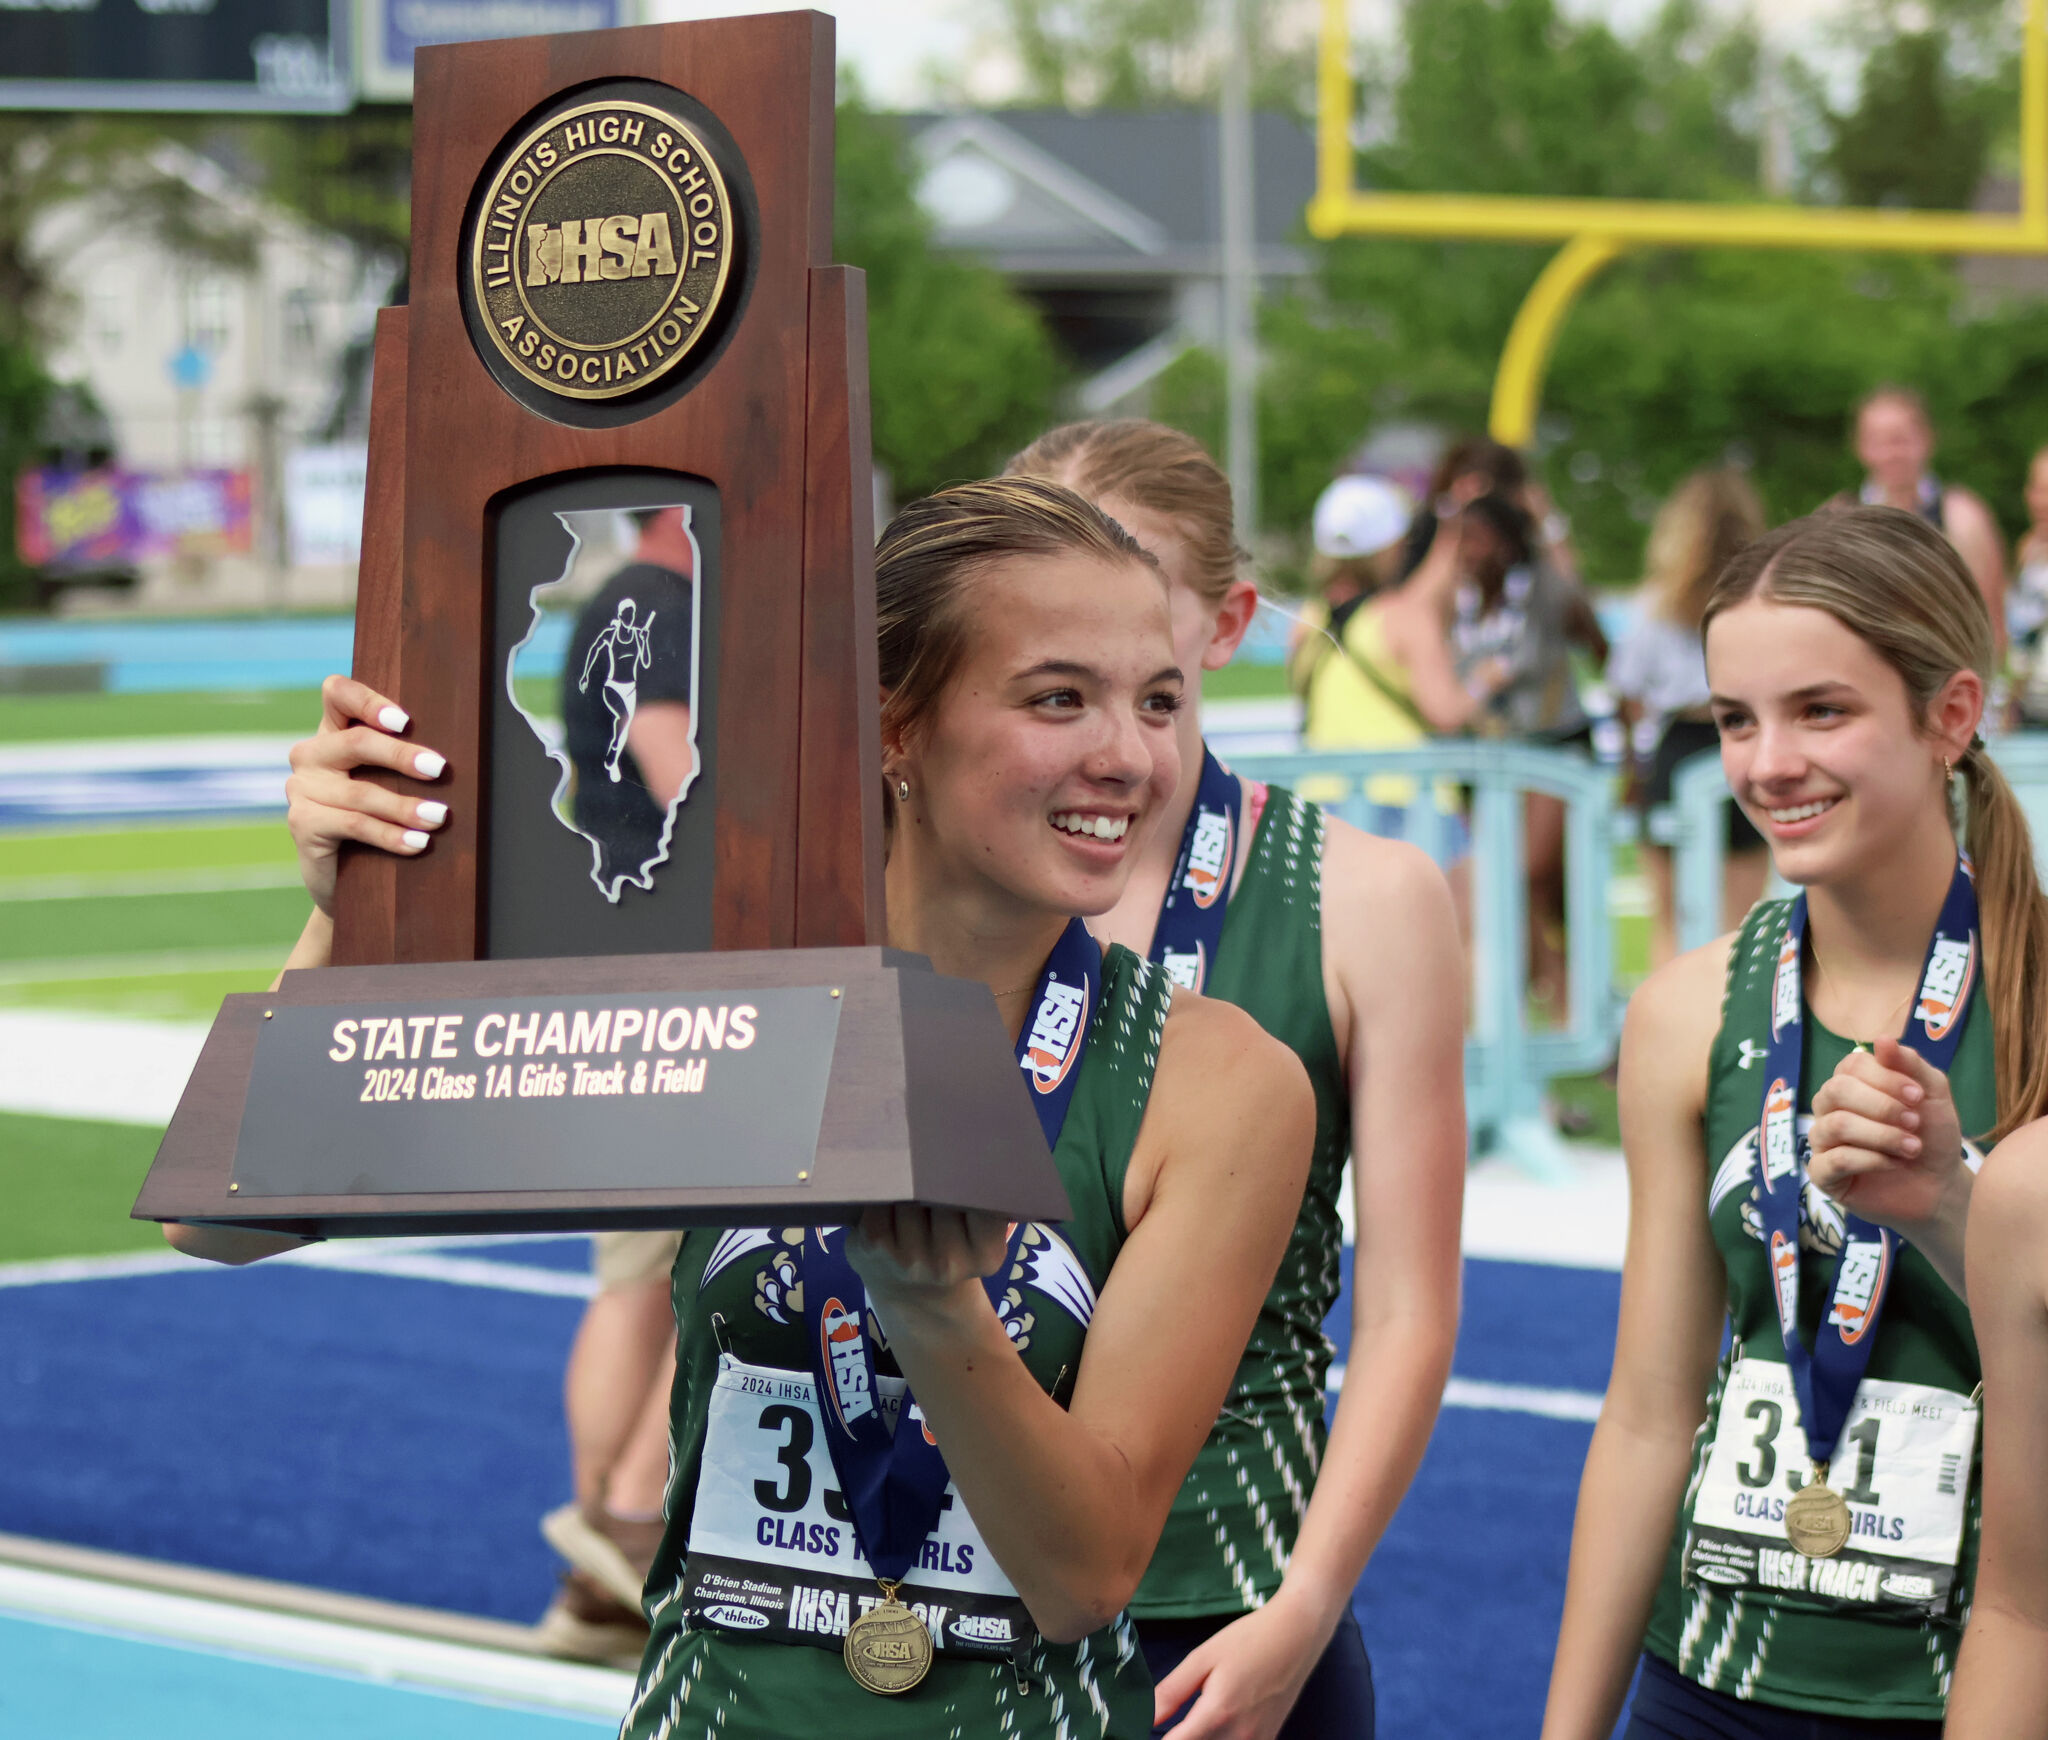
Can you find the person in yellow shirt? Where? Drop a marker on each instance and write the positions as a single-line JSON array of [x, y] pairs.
[[1372, 661]]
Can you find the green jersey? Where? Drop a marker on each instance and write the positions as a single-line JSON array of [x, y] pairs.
[[1235, 1519], [744, 1288], [1839, 1636]]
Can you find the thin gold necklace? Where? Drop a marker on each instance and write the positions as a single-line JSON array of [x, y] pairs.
[[1821, 972]]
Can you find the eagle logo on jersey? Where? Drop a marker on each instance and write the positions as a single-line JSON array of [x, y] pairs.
[[1821, 1226], [1050, 1267], [1045, 1263]]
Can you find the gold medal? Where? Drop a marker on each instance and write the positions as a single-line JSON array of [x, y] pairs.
[[1817, 1520], [888, 1649]]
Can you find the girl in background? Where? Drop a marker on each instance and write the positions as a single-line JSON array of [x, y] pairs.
[[1784, 1533], [1658, 673], [1344, 946]]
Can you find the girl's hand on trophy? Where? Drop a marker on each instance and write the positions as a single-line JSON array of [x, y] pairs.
[[329, 804], [920, 1257]]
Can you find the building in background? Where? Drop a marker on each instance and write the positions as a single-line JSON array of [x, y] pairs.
[[204, 369], [1111, 223]]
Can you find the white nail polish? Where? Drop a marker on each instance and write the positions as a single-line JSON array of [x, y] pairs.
[[431, 813], [415, 841], [394, 719], [428, 765]]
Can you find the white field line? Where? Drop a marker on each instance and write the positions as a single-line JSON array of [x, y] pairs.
[[322, 1645], [62, 1063], [405, 1259], [168, 963], [1553, 1404], [142, 884], [142, 754]]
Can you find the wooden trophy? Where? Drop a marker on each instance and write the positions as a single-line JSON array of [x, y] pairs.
[[634, 980]]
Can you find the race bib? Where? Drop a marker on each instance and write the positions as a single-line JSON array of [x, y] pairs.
[[1903, 1464], [772, 1553]]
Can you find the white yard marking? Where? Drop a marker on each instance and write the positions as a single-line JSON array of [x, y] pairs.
[[1551, 1404], [140, 884], [166, 963], [407, 1259], [62, 1064]]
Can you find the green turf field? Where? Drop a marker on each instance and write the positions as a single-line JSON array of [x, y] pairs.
[[59, 718], [68, 1185], [160, 921]]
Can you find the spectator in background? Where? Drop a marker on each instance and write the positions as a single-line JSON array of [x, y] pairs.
[[2026, 605], [1517, 615], [1894, 444], [1374, 668], [1659, 676]]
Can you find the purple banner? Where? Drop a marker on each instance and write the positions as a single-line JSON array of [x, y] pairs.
[[79, 521]]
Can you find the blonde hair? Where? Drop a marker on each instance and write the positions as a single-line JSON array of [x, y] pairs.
[[1155, 468], [1696, 534], [930, 554], [1898, 585]]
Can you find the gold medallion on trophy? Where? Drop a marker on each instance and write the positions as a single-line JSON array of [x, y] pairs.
[[602, 247]]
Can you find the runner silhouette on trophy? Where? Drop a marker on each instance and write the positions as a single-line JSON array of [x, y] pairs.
[[620, 644], [626, 700]]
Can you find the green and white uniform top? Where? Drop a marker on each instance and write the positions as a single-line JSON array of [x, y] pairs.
[[1872, 1631], [1236, 1516], [772, 1482]]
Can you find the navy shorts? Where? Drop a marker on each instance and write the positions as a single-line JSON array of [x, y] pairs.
[[1335, 1702], [1668, 1706]]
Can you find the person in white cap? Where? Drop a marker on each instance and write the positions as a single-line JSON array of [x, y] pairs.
[[1372, 662]]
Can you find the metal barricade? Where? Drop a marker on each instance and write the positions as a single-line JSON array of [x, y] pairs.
[[1506, 1065], [1695, 826]]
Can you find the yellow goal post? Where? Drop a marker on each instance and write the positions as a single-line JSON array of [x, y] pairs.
[[1596, 231]]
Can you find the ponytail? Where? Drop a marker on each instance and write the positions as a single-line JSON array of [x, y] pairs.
[[2014, 917]]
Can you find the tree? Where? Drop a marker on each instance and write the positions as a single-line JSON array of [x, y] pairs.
[[1672, 359], [1133, 54], [961, 369]]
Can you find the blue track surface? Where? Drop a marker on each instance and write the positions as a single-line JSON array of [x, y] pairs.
[[400, 1438]]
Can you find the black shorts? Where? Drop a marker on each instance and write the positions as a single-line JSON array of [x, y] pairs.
[[1668, 1706], [1336, 1701], [1681, 741]]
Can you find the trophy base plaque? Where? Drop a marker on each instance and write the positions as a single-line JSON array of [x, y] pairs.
[[797, 1085]]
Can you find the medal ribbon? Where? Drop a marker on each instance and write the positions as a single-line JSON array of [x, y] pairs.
[[1826, 1379], [1198, 898], [895, 1483]]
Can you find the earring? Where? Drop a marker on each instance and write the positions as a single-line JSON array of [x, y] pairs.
[[903, 791], [1948, 771]]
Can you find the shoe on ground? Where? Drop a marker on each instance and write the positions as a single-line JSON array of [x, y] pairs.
[[615, 1553], [583, 1623]]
